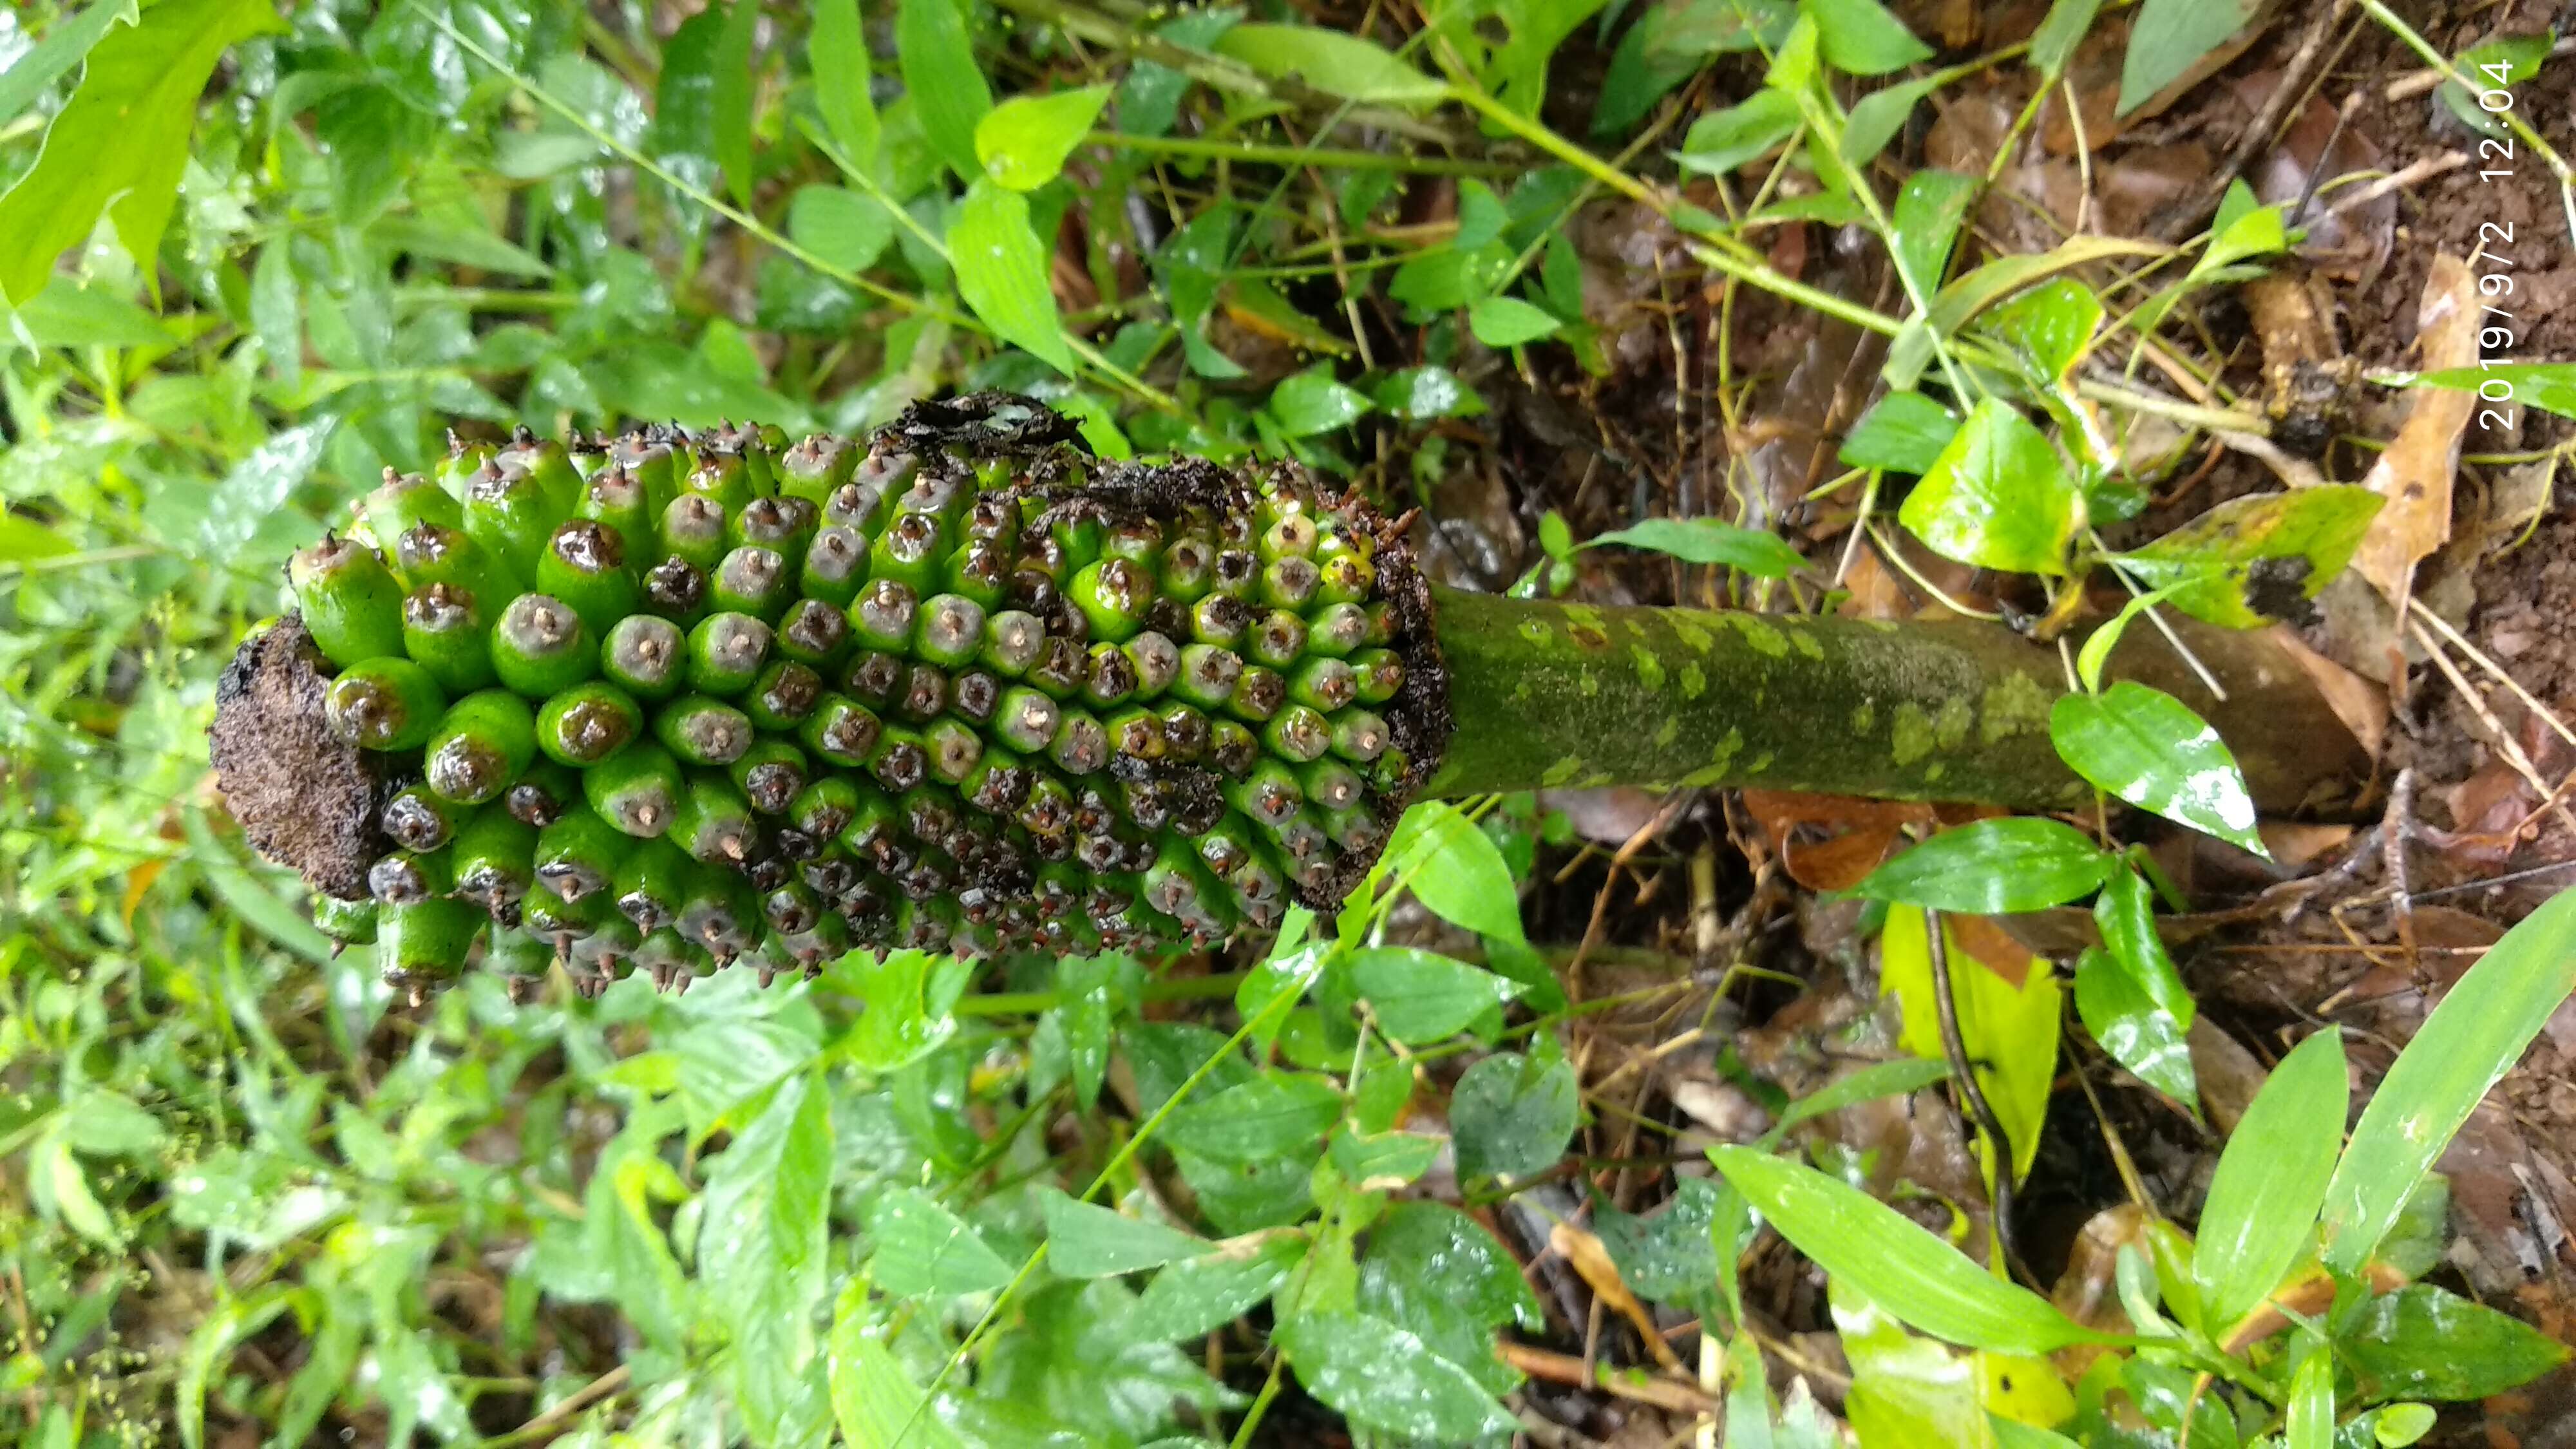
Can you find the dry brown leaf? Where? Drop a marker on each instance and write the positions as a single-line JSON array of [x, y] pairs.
[[2415, 473], [1590, 1258], [1830, 842]]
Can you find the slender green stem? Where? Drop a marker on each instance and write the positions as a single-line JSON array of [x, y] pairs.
[[1253, 1416], [1262, 153]]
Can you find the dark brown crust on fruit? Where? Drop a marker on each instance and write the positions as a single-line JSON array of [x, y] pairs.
[[305, 797], [1056, 466]]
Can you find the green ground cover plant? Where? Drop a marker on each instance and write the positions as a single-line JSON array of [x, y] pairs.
[[1221, 1163]]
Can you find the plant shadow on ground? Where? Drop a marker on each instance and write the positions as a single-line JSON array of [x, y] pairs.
[[1463, 268]]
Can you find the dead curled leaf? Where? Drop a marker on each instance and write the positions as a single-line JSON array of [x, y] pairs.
[[2415, 472]]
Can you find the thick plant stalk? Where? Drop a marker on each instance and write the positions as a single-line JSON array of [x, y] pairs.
[[673, 700], [1572, 694]]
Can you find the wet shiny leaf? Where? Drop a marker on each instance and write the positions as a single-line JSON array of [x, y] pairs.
[[2475, 1034], [1930, 208], [2262, 1209], [1002, 269], [2252, 561], [1894, 1262], [2137, 1033], [1268, 1117], [2423, 1343], [1903, 432], [1418, 996], [1086, 1240], [2049, 327], [1511, 1115], [1023, 142], [1419, 394], [2150, 749], [1312, 402], [1992, 868], [1998, 496], [1385, 1379], [1436, 1273], [921, 1248]]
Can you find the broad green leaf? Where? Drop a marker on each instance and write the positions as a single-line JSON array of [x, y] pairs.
[[1437, 1274], [66, 44], [1993, 868], [22, 539], [1085, 1240], [2125, 1022], [873, 1400], [1860, 37], [1002, 267], [908, 995], [1895, 1262], [1419, 394], [1455, 869], [848, 229], [732, 98], [2252, 561], [946, 87], [2422, 1343], [2169, 37], [1668, 43], [1903, 432], [466, 245], [2474, 1036], [1671, 1256], [1383, 1378], [1382, 1161], [1930, 208], [2053, 44], [1998, 497], [2548, 386], [1196, 1296], [1269, 1117], [1709, 541], [1348, 66], [1418, 996], [1311, 402], [923, 1249], [2049, 328], [2153, 751], [2498, 65], [120, 143], [2261, 1214], [837, 51], [1511, 1115], [1955, 305], [1024, 140], [67, 314], [2010, 1030], [1720, 141], [1909, 1390], [1509, 322]]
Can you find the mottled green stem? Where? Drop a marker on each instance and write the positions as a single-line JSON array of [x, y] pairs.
[[1569, 694]]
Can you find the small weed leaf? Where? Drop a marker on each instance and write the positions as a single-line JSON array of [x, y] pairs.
[[1085, 1240], [923, 1249], [1023, 141], [1347, 66], [1708, 541], [1669, 43], [1930, 208], [1269, 1117], [1878, 116], [2125, 1022], [2053, 44], [1723, 140], [1384, 1378], [1421, 997], [949, 94], [2252, 561], [2262, 1209], [1002, 269], [2501, 64], [2049, 328], [1419, 394], [2310, 1420], [1311, 402], [1509, 322], [1896, 1263], [2242, 229], [1194, 1296], [846, 228], [1965, 299], [2170, 37], [2473, 1037], [1903, 432], [1859, 37], [732, 100], [2125, 913], [1455, 868], [2423, 1343], [2548, 386], [838, 55], [1993, 868], [2150, 749], [1998, 497], [873, 1400], [1511, 1115]]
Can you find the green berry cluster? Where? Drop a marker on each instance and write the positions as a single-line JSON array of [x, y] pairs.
[[672, 701]]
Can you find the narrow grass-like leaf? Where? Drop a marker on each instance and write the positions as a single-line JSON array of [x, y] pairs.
[[1710, 541], [732, 99], [2548, 386], [948, 91], [2312, 1405], [2472, 1038], [1896, 1263], [838, 53], [1348, 66], [2262, 1209]]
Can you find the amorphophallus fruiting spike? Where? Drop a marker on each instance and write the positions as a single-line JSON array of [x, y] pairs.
[[677, 700]]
